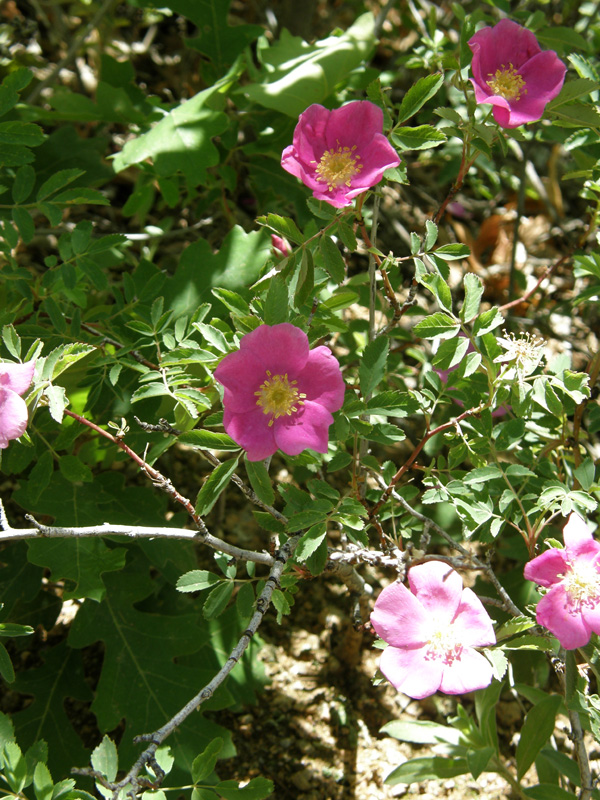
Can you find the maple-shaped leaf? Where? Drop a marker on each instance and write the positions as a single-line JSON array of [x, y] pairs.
[[217, 40], [296, 74], [235, 266], [58, 679], [181, 142], [25, 600], [141, 682]]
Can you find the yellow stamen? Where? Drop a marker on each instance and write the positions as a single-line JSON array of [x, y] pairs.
[[507, 83], [338, 167], [443, 645], [279, 397]]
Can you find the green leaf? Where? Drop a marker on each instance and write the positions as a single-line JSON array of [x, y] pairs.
[[488, 321], [217, 600], [80, 561], [63, 357], [428, 768], [559, 36], [81, 196], [260, 481], [197, 580], [416, 97], [437, 325], [12, 341], [422, 137], [217, 40], [15, 767], [547, 791], [59, 677], [214, 485], [305, 278], [536, 730], [58, 181], [373, 364], [393, 404], [453, 252], [105, 759], [332, 259], [451, 352], [473, 292], [284, 226], [181, 142], [310, 541], [42, 782], [11, 629], [209, 439], [6, 668], [277, 302], [255, 789], [296, 74], [24, 222], [421, 732], [204, 764], [23, 185], [22, 133]]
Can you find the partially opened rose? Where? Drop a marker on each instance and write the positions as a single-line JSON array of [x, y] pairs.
[[279, 394], [14, 381], [431, 631], [512, 73], [340, 154]]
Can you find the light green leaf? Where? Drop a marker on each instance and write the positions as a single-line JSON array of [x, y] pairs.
[[536, 730], [437, 325], [310, 541], [422, 137], [260, 481], [105, 759], [208, 439], [332, 259], [473, 292], [204, 764], [197, 580]]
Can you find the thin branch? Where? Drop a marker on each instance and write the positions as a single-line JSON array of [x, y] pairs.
[[156, 738], [10, 534]]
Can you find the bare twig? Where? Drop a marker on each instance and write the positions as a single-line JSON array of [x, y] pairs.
[[38, 531]]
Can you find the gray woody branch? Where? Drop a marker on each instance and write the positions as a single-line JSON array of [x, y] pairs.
[[10, 534]]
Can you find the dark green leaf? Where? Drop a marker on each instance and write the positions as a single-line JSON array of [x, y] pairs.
[[427, 769], [306, 278], [217, 600], [214, 485], [332, 259], [23, 185], [6, 668], [212, 440], [422, 137], [277, 302], [422, 91], [310, 541], [24, 222], [58, 181], [284, 226], [536, 730]]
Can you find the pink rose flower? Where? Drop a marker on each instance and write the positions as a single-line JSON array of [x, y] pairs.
[[512, 73], [280, 245], [14, 381], [431, 631], [340, 154], [571, 607], [279, 394]]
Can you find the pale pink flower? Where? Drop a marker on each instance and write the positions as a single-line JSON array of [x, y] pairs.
[[570, 609], [280, 245], [431, 632], [512, 73], [340, 154], [14, 381], [279, 394]]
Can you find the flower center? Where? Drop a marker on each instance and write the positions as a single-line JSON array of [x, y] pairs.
[[582, 585], [507, 83], [279, 397], [338, 167], [443, 645]]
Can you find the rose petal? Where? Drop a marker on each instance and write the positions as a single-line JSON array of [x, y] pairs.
[[570, 629], [321, 379], [13, 416], [282, 349], [547, 568], [468, 673], [252, 432], [410, 672], [241, 374], [308, 428], [399, 618], [472, 624], [17, 377], [438, 587]]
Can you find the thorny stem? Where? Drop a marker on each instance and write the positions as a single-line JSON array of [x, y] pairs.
[[568, 680], [156, 738]]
